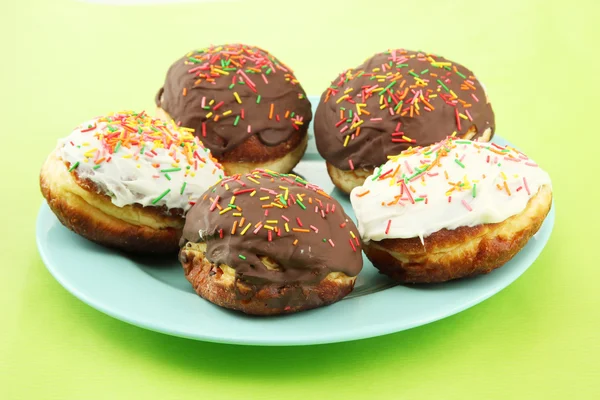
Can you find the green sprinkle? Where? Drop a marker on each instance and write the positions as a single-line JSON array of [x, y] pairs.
[[462, 142], [425, 71], [183, 187], [324, 240], [241, 256], [350, 114], [459, 163], [231, 86], [413, 74], [292, 114], [168, 177], [378, 174], [159, 198], [118, 146], [389, 86], [143, 148], [97, 166], [442, 84], [237, 120], [258, 99], [447, 68], [301, 205], [269, 71], [401, 65], [461, 75], [420, 199], [233, 206], [74, 166], [474, 190], [399, 105], [170, 170]]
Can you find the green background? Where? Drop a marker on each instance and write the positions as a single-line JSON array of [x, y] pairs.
[[63, 62]]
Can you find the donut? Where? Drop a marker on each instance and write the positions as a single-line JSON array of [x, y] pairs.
[[454, 209], [266, 243], [126, 180], [395, 100], [245, 105]]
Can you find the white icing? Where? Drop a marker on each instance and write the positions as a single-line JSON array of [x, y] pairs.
[[129, 176], [483, 168]]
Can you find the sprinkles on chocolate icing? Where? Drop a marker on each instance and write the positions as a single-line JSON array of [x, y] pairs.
[[280, 216], [230, 92], [395, 100]]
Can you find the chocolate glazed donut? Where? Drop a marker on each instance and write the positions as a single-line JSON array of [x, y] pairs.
[[266, 243], [396, 100], [237, 97]]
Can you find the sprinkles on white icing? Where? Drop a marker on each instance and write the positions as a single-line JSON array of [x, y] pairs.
[[137, 159], [450, 184]]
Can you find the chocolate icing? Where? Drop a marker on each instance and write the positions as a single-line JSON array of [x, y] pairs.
[[307, 261], [433, 117], [209, 77]]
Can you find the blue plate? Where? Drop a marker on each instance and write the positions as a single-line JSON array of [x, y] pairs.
[[154, 294]]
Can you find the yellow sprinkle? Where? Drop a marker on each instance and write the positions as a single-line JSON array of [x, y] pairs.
[[210, 103], [338, 101], [220, 71], [232, 200], [254, 180], [253, 193], [246, 228], [463, 116], [287, 228], [237, 214], [209, 114], [277, 205], [352, 234], [453, 134], [348, 90], [138, 166], [346, 140], [503, 175], [264, 198], [269, 227], [85, 144], [223, 211], [90, 152], [453, 94], [376, 69], [227, 112], [272, 221], [226, 186], [237, 97]]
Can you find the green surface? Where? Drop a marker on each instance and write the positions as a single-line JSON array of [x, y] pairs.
[[63, 62]]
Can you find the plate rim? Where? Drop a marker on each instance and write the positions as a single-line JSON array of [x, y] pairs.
[[361, 332]]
